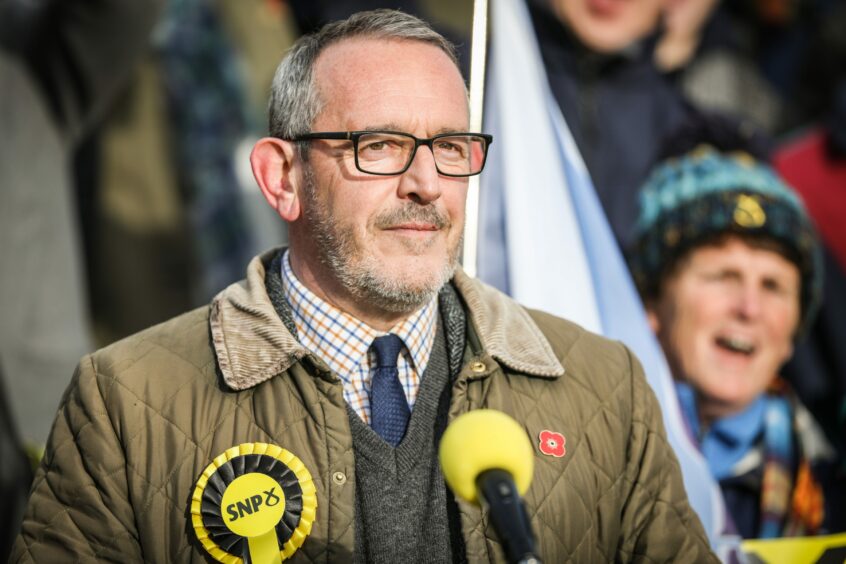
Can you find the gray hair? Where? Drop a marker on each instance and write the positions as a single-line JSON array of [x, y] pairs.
[[294, 99]]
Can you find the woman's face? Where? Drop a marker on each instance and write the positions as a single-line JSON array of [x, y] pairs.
[[726, 318]]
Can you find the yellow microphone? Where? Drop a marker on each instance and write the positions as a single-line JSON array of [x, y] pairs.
[[487, 459]]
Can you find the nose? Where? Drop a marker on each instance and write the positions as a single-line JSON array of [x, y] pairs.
[[421, 183], [749, 301]]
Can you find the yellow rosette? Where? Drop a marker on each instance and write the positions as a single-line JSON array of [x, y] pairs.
[[254, 503]]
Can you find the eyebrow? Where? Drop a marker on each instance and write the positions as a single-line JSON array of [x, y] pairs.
[[401, 129]]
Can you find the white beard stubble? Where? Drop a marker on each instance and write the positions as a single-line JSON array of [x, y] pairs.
[[358, 271]]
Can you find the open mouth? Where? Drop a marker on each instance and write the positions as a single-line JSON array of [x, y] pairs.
[[736, 345]]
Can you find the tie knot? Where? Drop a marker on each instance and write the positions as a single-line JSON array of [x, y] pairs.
[[387, 348]]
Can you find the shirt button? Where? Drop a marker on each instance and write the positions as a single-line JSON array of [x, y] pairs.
[[339, 478], [478, 367]]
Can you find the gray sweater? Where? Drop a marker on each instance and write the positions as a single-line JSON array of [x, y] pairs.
[[401, 498]]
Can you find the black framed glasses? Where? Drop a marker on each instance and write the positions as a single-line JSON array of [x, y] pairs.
[[388, 153]]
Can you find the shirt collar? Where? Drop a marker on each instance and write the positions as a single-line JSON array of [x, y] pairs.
[[243, 320], [323, 326]]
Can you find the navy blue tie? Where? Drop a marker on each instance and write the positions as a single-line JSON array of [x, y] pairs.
[[389, 412]]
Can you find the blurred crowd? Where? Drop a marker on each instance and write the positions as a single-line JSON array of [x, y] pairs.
[[127, 195]]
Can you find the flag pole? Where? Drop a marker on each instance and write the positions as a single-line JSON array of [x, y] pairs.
[[478, 51]]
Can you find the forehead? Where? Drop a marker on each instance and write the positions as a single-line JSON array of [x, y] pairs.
[[759, 255], [367, 82]]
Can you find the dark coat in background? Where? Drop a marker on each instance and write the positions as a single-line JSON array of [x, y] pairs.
[[618, 107]]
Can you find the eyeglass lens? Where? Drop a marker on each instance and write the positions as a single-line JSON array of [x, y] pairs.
[[390, 153]]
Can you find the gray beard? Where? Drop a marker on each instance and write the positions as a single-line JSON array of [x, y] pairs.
[[361, 275]]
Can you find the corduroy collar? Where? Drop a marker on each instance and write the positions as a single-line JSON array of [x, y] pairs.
[[252, 344]]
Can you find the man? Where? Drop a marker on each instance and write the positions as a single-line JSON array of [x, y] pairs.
[[729, 266], [295, 371]]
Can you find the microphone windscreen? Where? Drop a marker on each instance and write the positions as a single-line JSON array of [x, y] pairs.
[[480, 440]]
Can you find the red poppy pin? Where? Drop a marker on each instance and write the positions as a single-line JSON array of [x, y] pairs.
[[552, 443]]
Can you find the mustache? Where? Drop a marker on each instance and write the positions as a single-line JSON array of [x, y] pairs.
[[412, 213]]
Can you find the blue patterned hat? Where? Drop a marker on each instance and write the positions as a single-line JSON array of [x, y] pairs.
[[690, 200]]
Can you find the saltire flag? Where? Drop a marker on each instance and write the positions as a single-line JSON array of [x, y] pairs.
[[545, 240]]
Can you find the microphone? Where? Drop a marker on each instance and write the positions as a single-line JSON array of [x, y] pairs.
[[487, 459]]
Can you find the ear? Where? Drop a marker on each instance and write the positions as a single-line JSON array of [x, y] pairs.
[[274, 166]]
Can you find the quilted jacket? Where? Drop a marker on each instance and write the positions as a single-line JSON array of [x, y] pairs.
[[143, 418]]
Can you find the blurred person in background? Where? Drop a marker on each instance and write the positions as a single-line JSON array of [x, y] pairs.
[[61, 65], [169, 208], [776, 63], [730, 269], [452, 19], [781, 67], [813, 160], [599, 59], [708, 51], [15, 476]]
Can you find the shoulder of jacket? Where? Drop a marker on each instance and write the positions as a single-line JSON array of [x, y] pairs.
[[596, 362], [569, 339], [180, 345], [176, 332]]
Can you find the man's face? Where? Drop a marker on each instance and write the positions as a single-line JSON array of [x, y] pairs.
[[386, 241], [726, 319], [607, 26]]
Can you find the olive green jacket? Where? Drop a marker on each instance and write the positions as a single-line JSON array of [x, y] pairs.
[[143, 418]]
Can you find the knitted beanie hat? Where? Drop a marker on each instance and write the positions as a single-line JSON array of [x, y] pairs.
[[696, 198]]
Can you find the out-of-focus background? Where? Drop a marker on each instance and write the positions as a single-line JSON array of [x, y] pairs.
[[126, 195]]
